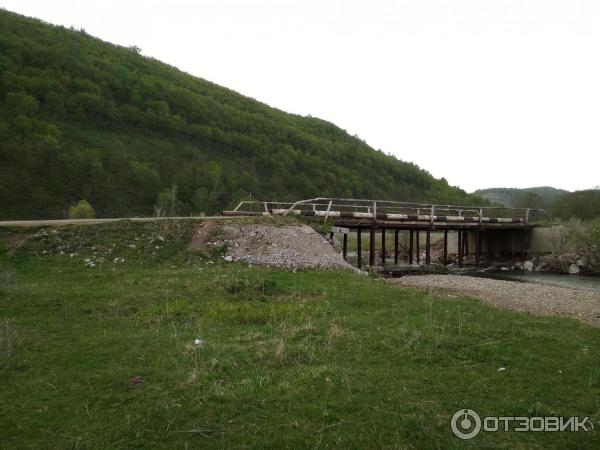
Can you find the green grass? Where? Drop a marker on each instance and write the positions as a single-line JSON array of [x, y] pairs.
[[321, 359]]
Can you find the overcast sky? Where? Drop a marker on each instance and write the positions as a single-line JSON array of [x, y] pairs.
[[485, 93]]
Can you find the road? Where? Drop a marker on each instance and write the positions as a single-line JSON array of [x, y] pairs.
[[45, 223]]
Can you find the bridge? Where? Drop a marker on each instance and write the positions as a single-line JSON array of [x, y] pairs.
[[490, 232]]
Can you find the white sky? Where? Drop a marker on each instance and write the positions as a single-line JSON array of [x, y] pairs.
[[486, 93]]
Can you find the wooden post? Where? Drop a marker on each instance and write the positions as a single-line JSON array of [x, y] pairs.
[[410, 248], [418, 248], [396, 246], [331, 237], [460, 248], [358, 248], [445, 248], [466, 242], [345, 246], [477, 246], [428, 247], [522, 245], [383, 246], [372, 246]]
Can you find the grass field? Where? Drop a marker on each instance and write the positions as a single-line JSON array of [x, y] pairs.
[[97, 351]]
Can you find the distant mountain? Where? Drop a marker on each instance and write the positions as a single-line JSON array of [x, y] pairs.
[[534, 197], [84, 119]]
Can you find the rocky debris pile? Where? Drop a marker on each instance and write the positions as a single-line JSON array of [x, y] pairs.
[[290, 247], [571, 264], [529, 297]]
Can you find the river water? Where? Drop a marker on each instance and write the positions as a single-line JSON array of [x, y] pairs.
[[555, 279]]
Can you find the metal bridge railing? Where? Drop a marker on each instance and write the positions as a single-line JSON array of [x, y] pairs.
[[324, 206]]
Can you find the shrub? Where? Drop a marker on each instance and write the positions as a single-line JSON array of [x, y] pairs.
[[82, 210]]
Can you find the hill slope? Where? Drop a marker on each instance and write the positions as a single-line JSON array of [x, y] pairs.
[[557, 202], [81, 118], [539, 197]]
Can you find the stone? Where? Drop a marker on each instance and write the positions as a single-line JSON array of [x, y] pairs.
[[573, 269], [528, 266]]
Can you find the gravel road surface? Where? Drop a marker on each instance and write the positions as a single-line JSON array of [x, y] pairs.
[[528, 297]]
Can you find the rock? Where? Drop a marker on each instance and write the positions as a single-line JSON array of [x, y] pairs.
[[581, 262], [228, 258], [519, 265], [504, 269], [573, 269], [528, 266]]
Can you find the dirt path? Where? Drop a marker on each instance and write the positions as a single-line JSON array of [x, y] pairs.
[[528, 297]]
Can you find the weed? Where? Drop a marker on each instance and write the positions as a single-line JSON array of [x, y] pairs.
[[8, 343]]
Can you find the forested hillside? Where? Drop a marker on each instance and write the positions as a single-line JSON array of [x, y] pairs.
[[85, 119], [541, 197], [559, 203]]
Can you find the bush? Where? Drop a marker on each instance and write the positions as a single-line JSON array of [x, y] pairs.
[[82, 210]]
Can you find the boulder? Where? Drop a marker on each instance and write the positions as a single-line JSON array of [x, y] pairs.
[[528, 266], [573, 269]]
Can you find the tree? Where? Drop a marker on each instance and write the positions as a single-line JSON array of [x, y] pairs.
[[82, 210]]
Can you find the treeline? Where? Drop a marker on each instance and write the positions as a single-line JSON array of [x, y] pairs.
[[559, 204], [579, 204], [84, 119]]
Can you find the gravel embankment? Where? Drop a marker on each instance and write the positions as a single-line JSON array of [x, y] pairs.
[[528, 297], [290, 247]]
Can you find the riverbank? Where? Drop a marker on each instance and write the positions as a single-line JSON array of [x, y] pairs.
[[533, 298]]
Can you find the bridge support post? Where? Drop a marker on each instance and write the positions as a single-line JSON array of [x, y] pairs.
[[445, 261], [345, 246], [460, 248], [372, 246], [358, 248], [418, 248], [382, 246], [410, 248], [477, 246], [428, 247], [466, 242], [396, 246]]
